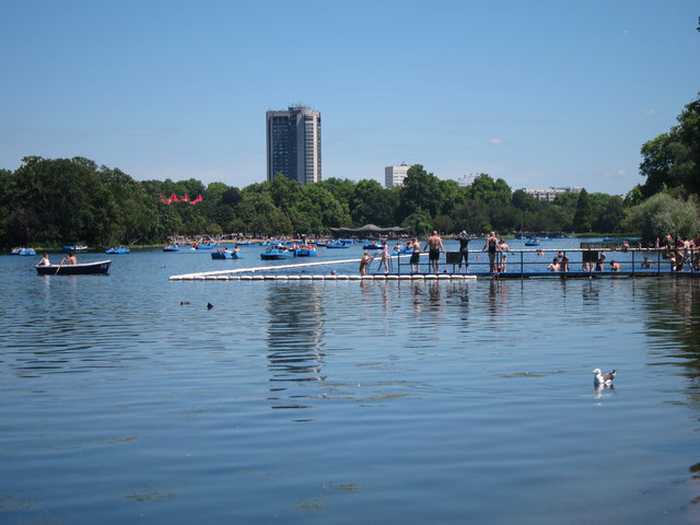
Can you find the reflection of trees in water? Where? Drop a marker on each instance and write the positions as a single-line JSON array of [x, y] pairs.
[[294, 339], [673, 313], [673, 317]]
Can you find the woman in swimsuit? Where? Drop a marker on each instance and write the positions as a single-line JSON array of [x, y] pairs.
[[491, 245]]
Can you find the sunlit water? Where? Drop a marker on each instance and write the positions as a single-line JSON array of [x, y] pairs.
[[344, 402]]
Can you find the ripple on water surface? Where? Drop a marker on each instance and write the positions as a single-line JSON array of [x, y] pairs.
[[345, 401]]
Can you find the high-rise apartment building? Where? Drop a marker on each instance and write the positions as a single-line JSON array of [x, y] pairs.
[[394, 175], [294, 144]]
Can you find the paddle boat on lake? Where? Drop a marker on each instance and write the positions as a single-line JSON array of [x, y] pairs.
[[67, 248], [276, 252], [532, 241], [403, 249], [205, 245], [336, 245], [118, 250], [24, 252], [373, 246], [175, 247], [225, 253], [306, 251]]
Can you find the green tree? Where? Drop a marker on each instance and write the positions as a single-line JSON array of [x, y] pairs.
[[663, 214], [583, 218], [610, 219], [372, 204], [420, 191], [672, 159]]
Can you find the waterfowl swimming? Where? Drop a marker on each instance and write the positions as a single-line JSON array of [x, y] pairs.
[[603, 378]]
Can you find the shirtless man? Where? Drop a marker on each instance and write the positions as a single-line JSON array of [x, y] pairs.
[[364, 263], [434, 248], [70, 259]]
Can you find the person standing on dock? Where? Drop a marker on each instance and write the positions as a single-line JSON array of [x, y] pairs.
[[491, 246], [385, 261], [599, 265], [503, 250], [415, 256], [463, 250], [563, 262], [364, 262], [435, 246]]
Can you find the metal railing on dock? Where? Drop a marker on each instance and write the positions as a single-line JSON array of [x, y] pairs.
[[511, 264], [523, 263]]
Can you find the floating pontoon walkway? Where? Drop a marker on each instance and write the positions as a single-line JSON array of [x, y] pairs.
[[518, 269], [330, 277]]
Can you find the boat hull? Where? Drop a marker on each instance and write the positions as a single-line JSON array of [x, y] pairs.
[[225, 255], [93, 268], [275, 256], [67, 248], [117, 251]]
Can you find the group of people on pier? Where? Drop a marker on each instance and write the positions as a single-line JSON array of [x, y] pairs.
[[680, 254]]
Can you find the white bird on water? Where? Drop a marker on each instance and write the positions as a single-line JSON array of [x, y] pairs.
[[603, 378]]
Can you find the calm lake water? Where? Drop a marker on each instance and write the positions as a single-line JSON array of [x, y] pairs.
[[344, 402]]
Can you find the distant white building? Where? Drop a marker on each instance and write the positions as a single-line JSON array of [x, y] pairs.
[[395, 175], [551, 193]]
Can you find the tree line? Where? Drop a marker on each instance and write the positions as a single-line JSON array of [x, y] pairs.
[[52, 201]]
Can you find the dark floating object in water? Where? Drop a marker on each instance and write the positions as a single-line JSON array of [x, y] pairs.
[[209, 306], [603, 378], [183, 303]]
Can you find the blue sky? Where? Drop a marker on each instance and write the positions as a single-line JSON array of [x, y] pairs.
[[539, 93]]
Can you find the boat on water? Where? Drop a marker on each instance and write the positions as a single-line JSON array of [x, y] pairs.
[[306, 251], [91, 268], [224, 253], [206, 245], [117, 250], [402, 250], [532, 241], [175, 247], [24, 252], [275, 253], [337, 245], [373, 246], [67, 248]]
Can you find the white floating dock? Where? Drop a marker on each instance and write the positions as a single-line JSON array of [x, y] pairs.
[[308, 277], [253, 274]]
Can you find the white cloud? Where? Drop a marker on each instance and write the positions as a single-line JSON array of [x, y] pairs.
[[496, 140], [620, 172]]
